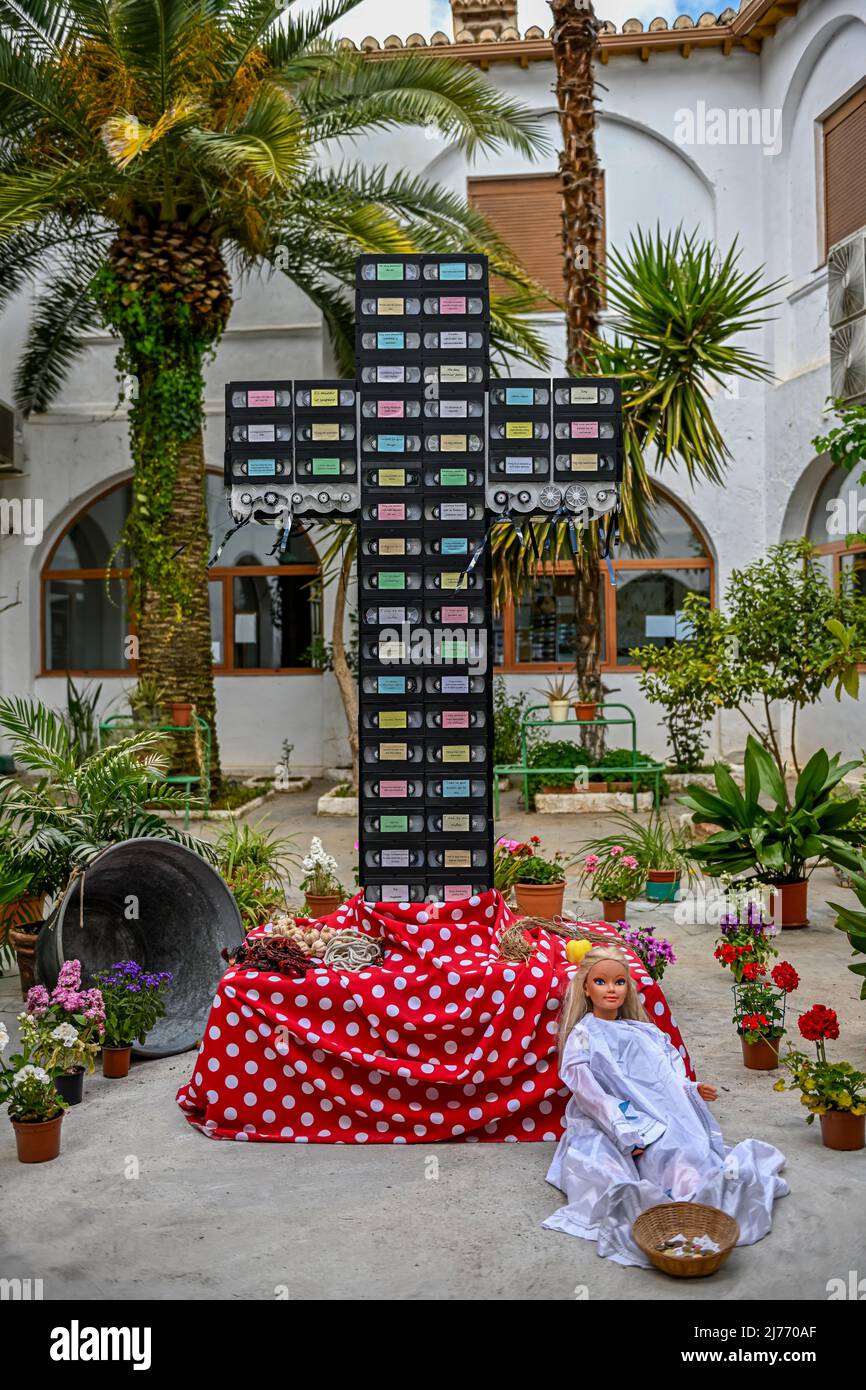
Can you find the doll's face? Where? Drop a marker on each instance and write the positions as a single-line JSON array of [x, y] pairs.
[[606, 986]]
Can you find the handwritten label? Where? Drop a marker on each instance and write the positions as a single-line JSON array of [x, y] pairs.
[[392, 579], [391, 443], [455, 786], [458, 859], [518, 429], [450, 614], [391, 685], [584, 395], [261, 434], [390, 410], [452, 339], [455, 685], [391, 511], [453, 511], [392, 545], [455, 753], [390, 374], [455, 719], [584, 429], [393, 719], [392, 477], [455, 824], [454, 545], [453, 477], [389, 341], [326, 468], [453, 443], [389, 270], [393, 825], [329, 430], [452, 304], [452, 371], [518, 464], [456, 892], [392, 615], [324, 397], [453, 410], [397, 859], [452, 270], [389, 306], [261, 399], [395, 893], [519, 395], [261, 468], [393, 752]]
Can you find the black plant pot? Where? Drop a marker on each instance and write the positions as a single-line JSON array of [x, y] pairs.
[[71, 1086]]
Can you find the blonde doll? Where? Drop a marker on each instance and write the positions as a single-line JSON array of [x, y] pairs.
[[638, 1131]]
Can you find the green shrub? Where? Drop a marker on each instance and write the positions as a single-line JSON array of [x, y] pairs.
[[623, 757], [556, 752], [508, 710]]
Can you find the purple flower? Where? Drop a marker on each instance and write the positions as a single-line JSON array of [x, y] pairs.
[[70, 975]]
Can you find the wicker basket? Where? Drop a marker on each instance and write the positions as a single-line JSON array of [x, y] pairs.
[[691, 1219]]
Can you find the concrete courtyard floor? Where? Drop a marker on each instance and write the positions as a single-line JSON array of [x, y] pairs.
[[140, 1205]]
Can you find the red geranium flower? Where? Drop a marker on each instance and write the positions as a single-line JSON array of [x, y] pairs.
[[785, 976], [752, 971], [819, 1023], [753, 1021]]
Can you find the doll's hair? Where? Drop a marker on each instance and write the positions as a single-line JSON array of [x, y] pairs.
[[576, 1005]]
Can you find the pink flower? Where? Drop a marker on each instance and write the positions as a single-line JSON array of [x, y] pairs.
[[591, 863], [629, 862], [508, 844], [70, 975], [615, 850], [37, 1001]]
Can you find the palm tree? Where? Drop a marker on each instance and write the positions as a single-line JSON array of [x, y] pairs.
[[148, 148]]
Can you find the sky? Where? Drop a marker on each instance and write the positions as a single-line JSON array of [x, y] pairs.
[[382, 17]]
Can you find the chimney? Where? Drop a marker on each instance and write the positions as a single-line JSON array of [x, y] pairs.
[[489, 17]]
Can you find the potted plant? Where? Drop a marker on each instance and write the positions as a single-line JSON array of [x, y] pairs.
[[147, 703], [538, 883], [833, 1091], [324, 891], [34, 1106], [585, 703], [27, 878], [745, 946], [77, 806], [853, 924], [256, 864], [655, 953], [133, 1000], [759, 1013], [63, 1029], [558, 693], [181, 713], [775, 844], [614, 877]]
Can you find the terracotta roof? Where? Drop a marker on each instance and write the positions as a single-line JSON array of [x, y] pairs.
[[746, 27]]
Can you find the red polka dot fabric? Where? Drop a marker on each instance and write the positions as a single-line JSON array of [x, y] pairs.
[[441, 1041]]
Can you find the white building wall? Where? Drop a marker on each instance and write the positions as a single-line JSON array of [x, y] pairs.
[[770, 203]]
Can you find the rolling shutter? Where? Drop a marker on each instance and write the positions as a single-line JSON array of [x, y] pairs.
[[845, 170]]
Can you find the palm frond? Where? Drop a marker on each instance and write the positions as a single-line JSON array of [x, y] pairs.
[[63, 311], [417, 90], [269, 143], [39, 735]]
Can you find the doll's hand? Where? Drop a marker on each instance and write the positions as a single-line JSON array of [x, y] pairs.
[[707, 1092]]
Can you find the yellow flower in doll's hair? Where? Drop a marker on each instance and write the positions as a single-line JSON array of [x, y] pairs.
[[576, 950]]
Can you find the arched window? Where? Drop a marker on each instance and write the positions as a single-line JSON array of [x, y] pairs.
[[538, 632], [265, 609], [840, 512]]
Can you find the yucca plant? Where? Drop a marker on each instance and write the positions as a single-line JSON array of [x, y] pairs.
[[678, 308], [73, 808], [151, 148]]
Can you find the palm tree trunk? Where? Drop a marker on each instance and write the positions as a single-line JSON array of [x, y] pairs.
[[575, 35], [174, 647], [345, 679]]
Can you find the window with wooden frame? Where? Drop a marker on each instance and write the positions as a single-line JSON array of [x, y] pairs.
[[265, 610], [537, 632], [526, 211], [845, 170], [839, 513]]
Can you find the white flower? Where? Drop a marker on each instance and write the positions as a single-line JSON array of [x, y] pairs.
[[4, 1037], [318, 858], [65, 1033], [29, 1072]]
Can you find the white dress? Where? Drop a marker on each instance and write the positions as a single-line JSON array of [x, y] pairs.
[[630, 1090]]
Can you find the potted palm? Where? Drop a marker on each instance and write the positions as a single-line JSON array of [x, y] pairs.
[[614, 878], [77, 806], [324, 891], [782, 843], [558, 693], [133, 1002], [834, 1091], [34, 1106]]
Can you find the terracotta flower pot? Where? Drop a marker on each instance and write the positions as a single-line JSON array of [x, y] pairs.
[[71, 1086], [789, 906], [842, 1130], [762, 1055], [38, 1140], [320, 904], [24, 943], [539, 899], [115, 1061], [613, 909], [558, 710], [181, 713], [662, 885], [586, 709]]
